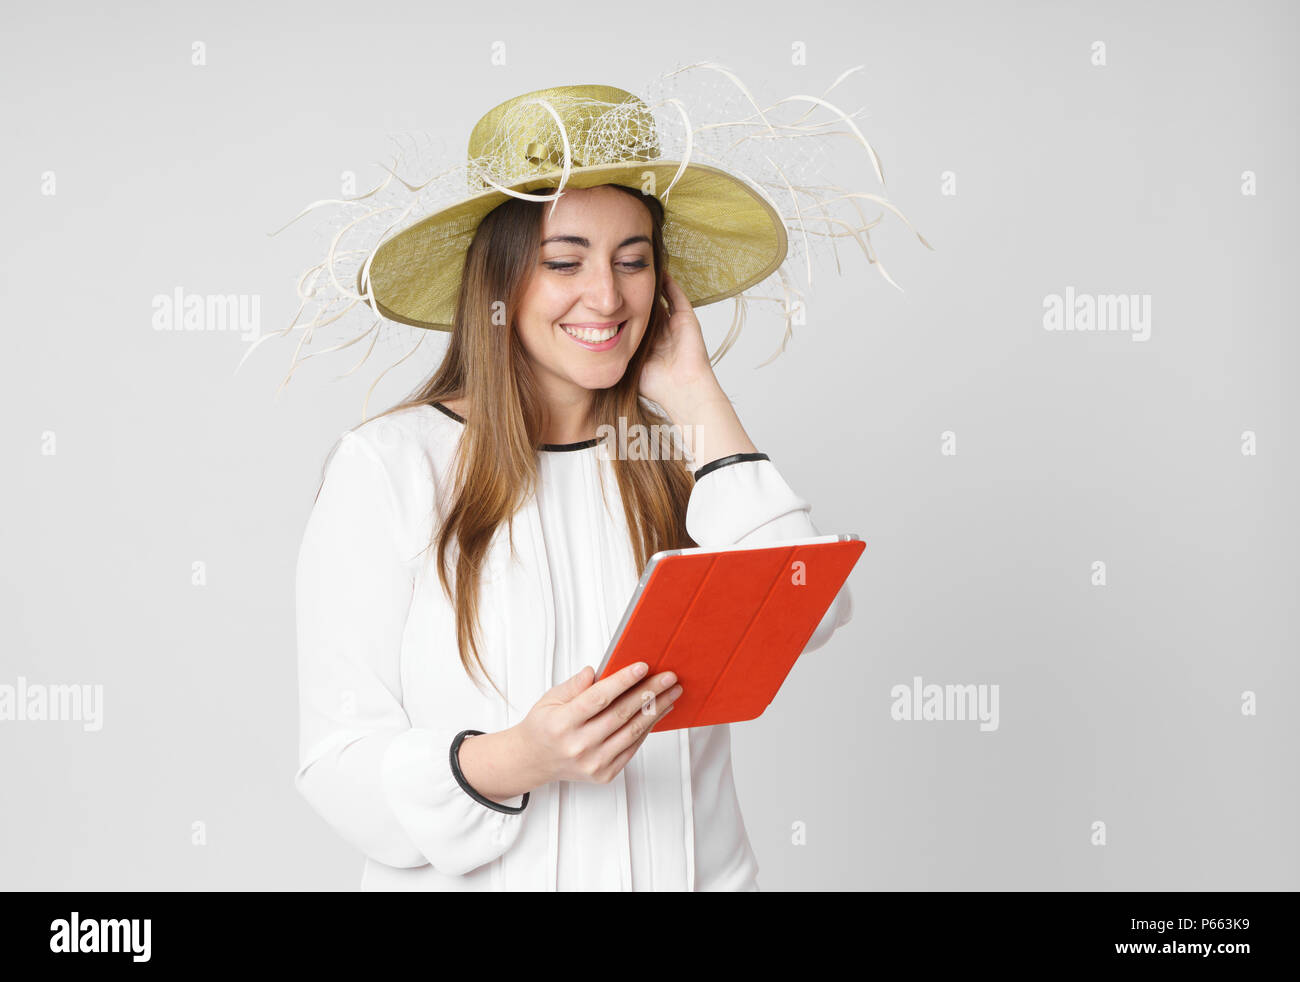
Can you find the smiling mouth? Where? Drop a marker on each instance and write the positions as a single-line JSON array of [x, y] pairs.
[[594, 337]]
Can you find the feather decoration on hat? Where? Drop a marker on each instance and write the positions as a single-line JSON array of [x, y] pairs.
[[779, 150]]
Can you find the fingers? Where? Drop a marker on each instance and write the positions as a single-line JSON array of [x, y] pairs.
[[642, 730], [674, 294], [613, 716], [646, 702], [597, 698], [570, 687]]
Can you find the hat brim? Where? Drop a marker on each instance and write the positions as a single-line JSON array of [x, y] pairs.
[[721, 236]]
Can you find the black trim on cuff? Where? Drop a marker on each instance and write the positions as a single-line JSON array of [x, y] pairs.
[[460, 778], [735, 458]]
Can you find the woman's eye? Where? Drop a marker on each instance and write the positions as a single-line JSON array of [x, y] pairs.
[[634, 265]]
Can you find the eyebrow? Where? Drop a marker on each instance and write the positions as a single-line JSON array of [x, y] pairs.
[[578, 240]]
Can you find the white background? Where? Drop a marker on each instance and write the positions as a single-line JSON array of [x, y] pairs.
[[1119, 704]]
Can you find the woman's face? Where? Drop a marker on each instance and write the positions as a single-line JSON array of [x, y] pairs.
[[595, 268]]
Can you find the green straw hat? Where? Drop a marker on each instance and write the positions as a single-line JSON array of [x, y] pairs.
[[745, 199], [722, 235]]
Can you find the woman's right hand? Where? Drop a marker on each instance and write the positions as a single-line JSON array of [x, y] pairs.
[[580, 731]]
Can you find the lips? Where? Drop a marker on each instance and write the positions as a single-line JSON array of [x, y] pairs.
[[595, 338]]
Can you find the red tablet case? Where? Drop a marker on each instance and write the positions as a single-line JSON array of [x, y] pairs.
[[729, 623]]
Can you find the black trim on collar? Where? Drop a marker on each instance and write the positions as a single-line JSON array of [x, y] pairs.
[[561, 447], [580, 445], [735, 458], [450, 412]]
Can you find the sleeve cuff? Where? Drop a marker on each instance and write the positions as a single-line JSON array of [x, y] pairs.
[[455, 831], [735, 458], [454, 760], [739, 495]]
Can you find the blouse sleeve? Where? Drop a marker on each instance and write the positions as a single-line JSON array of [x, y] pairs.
[[743, 500], [382, 785]]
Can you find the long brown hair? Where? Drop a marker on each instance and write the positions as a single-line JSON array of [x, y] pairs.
[[496, 462]]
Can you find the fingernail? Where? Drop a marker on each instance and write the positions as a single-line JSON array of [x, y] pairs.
[[640, 669]]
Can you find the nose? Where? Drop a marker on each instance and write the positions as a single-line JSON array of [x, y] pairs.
[[600, 291]]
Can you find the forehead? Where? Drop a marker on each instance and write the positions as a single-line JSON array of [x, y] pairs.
[[595, 214]]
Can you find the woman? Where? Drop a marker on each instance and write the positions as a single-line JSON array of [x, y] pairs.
[[493, 477]]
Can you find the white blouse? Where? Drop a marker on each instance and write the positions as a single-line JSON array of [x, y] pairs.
[[383, 692]]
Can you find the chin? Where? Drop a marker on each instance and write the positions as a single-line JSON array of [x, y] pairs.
[[604, 379]]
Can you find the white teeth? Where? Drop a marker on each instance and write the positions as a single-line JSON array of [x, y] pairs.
[[590, 333]]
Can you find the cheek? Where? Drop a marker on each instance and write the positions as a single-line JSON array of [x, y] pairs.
[[538, 322], [547, 304]]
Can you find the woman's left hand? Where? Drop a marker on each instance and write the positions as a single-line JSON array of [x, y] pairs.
[[678, 373]]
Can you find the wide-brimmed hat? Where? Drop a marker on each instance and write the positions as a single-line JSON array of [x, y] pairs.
[[720, 234], [747, 192]]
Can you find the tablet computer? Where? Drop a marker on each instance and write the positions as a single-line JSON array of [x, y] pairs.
[[729, 622]]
